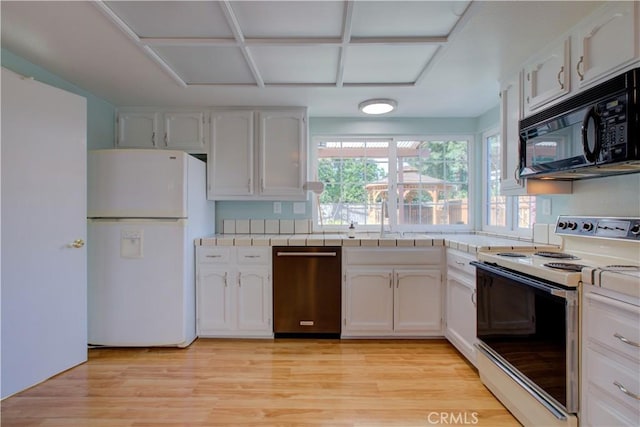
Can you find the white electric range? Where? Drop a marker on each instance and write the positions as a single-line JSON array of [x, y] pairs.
[[595, 250], [528, 313]]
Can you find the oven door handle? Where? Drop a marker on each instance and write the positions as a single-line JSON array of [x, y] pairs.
[[528, 280], [307, 254]]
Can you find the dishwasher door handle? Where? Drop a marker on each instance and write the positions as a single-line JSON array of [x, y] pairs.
[[308, 254]]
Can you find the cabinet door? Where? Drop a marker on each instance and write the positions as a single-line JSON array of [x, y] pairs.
[[230, 161], [511, 113], [369, 300], [461, 313], [283, 141], [214, 300], [547, 76], [417, 301], [136, 130], [607, 42], [185, 131], [254, 300]]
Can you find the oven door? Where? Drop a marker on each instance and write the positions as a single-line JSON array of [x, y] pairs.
[[529, 328]]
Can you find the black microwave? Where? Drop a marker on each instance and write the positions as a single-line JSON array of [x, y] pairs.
[[594, 133]]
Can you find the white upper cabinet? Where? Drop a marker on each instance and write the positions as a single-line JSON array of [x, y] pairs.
[[258, 155], [185, 131], [137, 130], [231, 153], [510, 115], [283, 142], [139, 127], [547, 76], [606, 42]]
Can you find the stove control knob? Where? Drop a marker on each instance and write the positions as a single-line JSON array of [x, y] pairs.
[[562, 225], [587, 226], [572, 225], [635, 230]]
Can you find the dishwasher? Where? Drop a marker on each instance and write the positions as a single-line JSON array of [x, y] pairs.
[[307, 296]]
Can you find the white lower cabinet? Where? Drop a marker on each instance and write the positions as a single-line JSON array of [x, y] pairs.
[[460, 303], [234, 292], [610, 339], [391, 293]]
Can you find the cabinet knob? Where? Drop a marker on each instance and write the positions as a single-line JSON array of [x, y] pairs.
[[578, 65]]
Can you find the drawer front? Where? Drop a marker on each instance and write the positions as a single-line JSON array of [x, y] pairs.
[[213, 255], [254, 255], [460, 261], [393, 257], [613, 324], [614, 377], [601, 409]]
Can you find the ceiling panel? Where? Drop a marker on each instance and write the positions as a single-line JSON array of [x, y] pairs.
[[207, 64], [296, 64], [386, 63], [405, 18], [173, 18], [290, 18]]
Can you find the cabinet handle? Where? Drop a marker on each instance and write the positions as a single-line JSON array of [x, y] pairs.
[[560, 74], [249, 184], [153, 139], [580, 62], [252, 256], [625, 391], [474, 297], [625, 340], [397, 280], [239, 279], [390, 280], [166, 140], [225, 279], [213, 256], [460, 263]]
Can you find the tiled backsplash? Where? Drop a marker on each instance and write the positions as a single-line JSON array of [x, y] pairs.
[[266, 226]]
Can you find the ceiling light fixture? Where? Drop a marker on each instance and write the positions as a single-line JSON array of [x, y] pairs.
[[377, 106]]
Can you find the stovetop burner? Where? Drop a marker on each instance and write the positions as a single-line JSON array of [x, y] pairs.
[[565, 266], [512, 254], [556, 255]]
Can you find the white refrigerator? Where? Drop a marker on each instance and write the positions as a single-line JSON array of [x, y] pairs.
[[145, 208]]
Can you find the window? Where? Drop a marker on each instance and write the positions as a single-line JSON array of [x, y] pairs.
[[410, 184], [507, 214]]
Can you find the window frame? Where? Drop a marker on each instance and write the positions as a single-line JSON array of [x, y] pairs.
[[511, 201], [392, 224]]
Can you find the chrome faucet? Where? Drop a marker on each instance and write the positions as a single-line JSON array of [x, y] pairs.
[[382, 212]]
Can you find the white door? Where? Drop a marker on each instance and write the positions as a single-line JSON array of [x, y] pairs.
[[215, 298], [137, 283], [185, 131], [137, 184], [418, 301], [254, 300], [369, 300], [231, 154], [44, 273], [137, 130]]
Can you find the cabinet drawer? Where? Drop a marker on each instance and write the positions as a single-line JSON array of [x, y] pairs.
[[214, 255], [601, 409], [394, 257], [605, 373], [460, 261], [610, 322], [253, 255]]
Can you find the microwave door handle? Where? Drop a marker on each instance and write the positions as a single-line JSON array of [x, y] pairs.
[[591, 153]]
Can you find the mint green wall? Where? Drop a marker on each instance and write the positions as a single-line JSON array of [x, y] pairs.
[[100, 114]]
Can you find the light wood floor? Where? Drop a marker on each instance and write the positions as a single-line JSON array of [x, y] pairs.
[[265, 383]]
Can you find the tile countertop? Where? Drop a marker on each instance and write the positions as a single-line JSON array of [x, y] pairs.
[[471, 243]]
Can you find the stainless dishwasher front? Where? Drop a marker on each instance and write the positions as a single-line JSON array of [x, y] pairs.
[[307, 297]]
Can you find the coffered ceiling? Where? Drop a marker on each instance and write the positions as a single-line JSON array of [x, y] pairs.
[[436, 58]]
